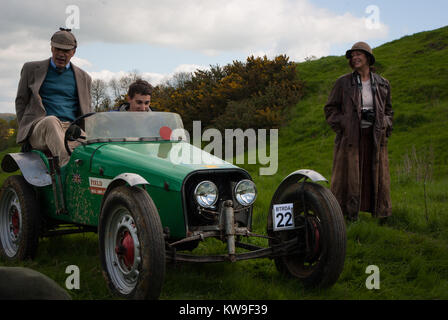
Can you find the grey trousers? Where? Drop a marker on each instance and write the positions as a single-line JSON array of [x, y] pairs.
[[48, 134]]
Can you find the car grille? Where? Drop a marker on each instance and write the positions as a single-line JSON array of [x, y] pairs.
[[225, 180]]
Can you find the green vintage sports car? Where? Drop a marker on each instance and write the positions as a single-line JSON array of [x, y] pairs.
[[151, 196]]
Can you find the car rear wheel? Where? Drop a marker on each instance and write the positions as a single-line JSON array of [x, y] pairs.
[[321, 232], [19, 219], [132, 245]]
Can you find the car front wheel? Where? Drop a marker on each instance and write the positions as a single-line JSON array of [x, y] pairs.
[[132, 245], [321, 231]]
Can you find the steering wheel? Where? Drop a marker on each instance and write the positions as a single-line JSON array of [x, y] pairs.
[[73, 132]]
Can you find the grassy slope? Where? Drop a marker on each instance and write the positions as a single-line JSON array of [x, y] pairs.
[[410, 251], [416, 66]]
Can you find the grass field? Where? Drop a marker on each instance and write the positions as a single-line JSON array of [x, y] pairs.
[[411, 249]]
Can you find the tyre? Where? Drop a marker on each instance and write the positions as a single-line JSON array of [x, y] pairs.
[[19, 219], [132, 246], [321, 233]]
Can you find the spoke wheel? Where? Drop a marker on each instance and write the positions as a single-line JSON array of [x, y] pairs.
[[132, 245], [19, 222], [10, 221], [122, 250], [321, 234]]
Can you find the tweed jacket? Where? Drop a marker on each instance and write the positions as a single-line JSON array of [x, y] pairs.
[[29, 107]]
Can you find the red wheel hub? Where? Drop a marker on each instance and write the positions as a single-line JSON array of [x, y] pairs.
[[125, 249], [314, 239], [15, 220]]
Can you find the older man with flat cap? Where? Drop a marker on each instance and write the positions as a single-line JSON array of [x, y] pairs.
[[52, 93]]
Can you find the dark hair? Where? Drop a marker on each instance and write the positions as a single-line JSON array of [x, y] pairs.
[[141, 87]]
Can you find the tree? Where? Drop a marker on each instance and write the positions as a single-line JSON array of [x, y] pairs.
[[310, 58], [119, 87], [179, 79], [99, 94], [114, 86]]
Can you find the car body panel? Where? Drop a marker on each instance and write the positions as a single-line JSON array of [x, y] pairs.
[[32, 166], [93, 166]]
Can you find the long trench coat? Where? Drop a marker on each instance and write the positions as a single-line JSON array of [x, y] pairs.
[[343, 114]]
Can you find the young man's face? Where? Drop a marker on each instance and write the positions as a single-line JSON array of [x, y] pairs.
[[62, 57], [139, 102]]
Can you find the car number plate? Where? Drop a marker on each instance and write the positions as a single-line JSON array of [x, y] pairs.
[[283, 216]]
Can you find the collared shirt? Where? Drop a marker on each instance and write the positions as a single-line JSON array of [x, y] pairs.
[[54, 65]]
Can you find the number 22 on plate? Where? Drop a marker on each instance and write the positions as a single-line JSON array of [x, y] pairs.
[[283, 216]]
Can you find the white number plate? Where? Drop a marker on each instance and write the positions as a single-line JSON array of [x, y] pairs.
[[283, 216]]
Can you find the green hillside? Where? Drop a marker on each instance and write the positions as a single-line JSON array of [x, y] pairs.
[[412, 247], [417, 68]]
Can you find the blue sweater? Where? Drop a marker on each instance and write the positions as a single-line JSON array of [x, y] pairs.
[[59, 94]]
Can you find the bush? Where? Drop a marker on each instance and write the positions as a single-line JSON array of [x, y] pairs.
[[253, 94], [8, 133]]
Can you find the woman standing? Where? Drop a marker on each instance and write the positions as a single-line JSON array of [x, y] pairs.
[[359, 110]]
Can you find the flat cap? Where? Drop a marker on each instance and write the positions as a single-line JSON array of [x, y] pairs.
[[64, 39]]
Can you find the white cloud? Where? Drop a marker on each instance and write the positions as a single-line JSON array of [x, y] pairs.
[[188, 68], [152, 77], [80, 62], [203, 25], [12, 57], [107, 75], [293, 27]]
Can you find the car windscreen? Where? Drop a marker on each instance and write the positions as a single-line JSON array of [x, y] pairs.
[[131, 125]]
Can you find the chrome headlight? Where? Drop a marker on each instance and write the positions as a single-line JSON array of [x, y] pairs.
[[206, 194], [245, 192]]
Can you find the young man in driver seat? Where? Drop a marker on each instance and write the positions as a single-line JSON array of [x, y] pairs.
[[51, 94], [138, 97]]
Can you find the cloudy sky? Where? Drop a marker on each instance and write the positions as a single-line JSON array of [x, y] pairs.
[[160, 38]]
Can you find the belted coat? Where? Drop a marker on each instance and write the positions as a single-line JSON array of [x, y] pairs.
[[343, 114]]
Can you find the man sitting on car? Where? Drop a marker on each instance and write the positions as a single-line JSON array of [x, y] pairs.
[[139, 97], [51, 94]]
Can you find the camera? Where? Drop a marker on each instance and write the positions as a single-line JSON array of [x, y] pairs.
[[368, 115]]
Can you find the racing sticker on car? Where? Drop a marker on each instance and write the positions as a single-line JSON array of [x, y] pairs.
[[98, 185], [283, 216]]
